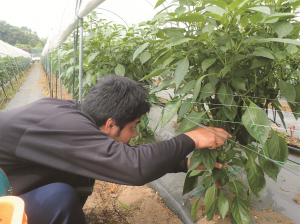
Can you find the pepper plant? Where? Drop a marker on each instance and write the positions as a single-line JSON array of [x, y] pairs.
[[227, 62]]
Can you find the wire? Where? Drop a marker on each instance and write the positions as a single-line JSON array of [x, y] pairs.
[[256, 97], [200, 125], [231, 105]]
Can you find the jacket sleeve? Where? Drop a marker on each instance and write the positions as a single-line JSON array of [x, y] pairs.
[[73, 144]]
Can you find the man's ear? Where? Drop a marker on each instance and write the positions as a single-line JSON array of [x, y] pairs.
[[110, 126]]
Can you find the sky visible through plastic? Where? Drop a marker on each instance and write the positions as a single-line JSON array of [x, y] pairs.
[[43, 16]]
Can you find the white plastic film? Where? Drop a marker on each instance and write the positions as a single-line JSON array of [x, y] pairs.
[[11, 51]]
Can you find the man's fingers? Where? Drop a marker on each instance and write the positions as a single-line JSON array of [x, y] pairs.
[[218, 165]]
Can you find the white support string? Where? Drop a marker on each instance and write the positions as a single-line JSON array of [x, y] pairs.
[[200, 125]]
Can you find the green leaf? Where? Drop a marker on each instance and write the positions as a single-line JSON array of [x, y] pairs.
[[291, 49], [145, 56], [209, 197], [260, 62], [169, 112], [256, 115], [186, 125], [92, 56], [154, 73], [208, 90], [288, 41], [189, 183], [256, 18], [276, 149], [91, 35], [140, 50], [280, 55], [287, 90], [186, 106], [215, 9], [208, 29], [202, 37], [195, 17], [195, 173], [255, 176], [244, 21], [239, 83], [237, 162], [207, 63], [181, 70], [209, 157], [297, 88], [197, 87], [212, 211], [158, 3], [223, 205], [206, 181], [279, 15], [187, 87], [263, 52], [234, 4], [283, 28], [195, 160], [240, 211], [194, 209], [180, 10], [162, 86], [225, 94], [178, 41], [226, 69], [230, 111], [277, 105], [213, 79], [263, 9], [120, 70]]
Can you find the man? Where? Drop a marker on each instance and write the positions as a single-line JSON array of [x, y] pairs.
[[51, 146]]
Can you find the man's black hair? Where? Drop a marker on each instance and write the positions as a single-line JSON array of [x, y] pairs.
[[116, 97]]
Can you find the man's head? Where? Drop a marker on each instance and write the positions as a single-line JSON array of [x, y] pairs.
[[115, 103]]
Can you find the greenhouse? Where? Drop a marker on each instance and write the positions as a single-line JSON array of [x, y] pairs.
[[224, 74]]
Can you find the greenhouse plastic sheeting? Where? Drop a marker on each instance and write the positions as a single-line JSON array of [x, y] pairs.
[[68, 22], [8, 50], [125, 12]]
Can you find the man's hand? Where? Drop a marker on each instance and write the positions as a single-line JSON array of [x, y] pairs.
[[206, 139], [201, 166]]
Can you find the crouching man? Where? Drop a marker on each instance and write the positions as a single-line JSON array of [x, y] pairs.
[[50, 147]]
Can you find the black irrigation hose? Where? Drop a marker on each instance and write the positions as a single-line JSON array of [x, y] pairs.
[[200, 125]]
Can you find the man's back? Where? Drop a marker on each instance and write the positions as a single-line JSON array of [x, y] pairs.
[[51, 114]]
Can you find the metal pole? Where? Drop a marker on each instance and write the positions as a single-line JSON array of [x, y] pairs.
[[60, 94], [48, 72], [56, 84], [51, 79], [6, 72], [80, 58]]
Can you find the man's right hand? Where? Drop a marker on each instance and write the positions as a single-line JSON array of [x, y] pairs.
[[204, 138]]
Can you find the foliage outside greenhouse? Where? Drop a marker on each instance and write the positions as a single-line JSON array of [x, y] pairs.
[[227, 62]]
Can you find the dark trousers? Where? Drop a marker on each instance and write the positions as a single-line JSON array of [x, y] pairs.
[[56, 203]]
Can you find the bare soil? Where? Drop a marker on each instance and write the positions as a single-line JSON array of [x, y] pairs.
[[140, 205]]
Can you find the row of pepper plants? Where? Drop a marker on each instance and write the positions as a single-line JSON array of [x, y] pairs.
[[227, 61], [9, 69]]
